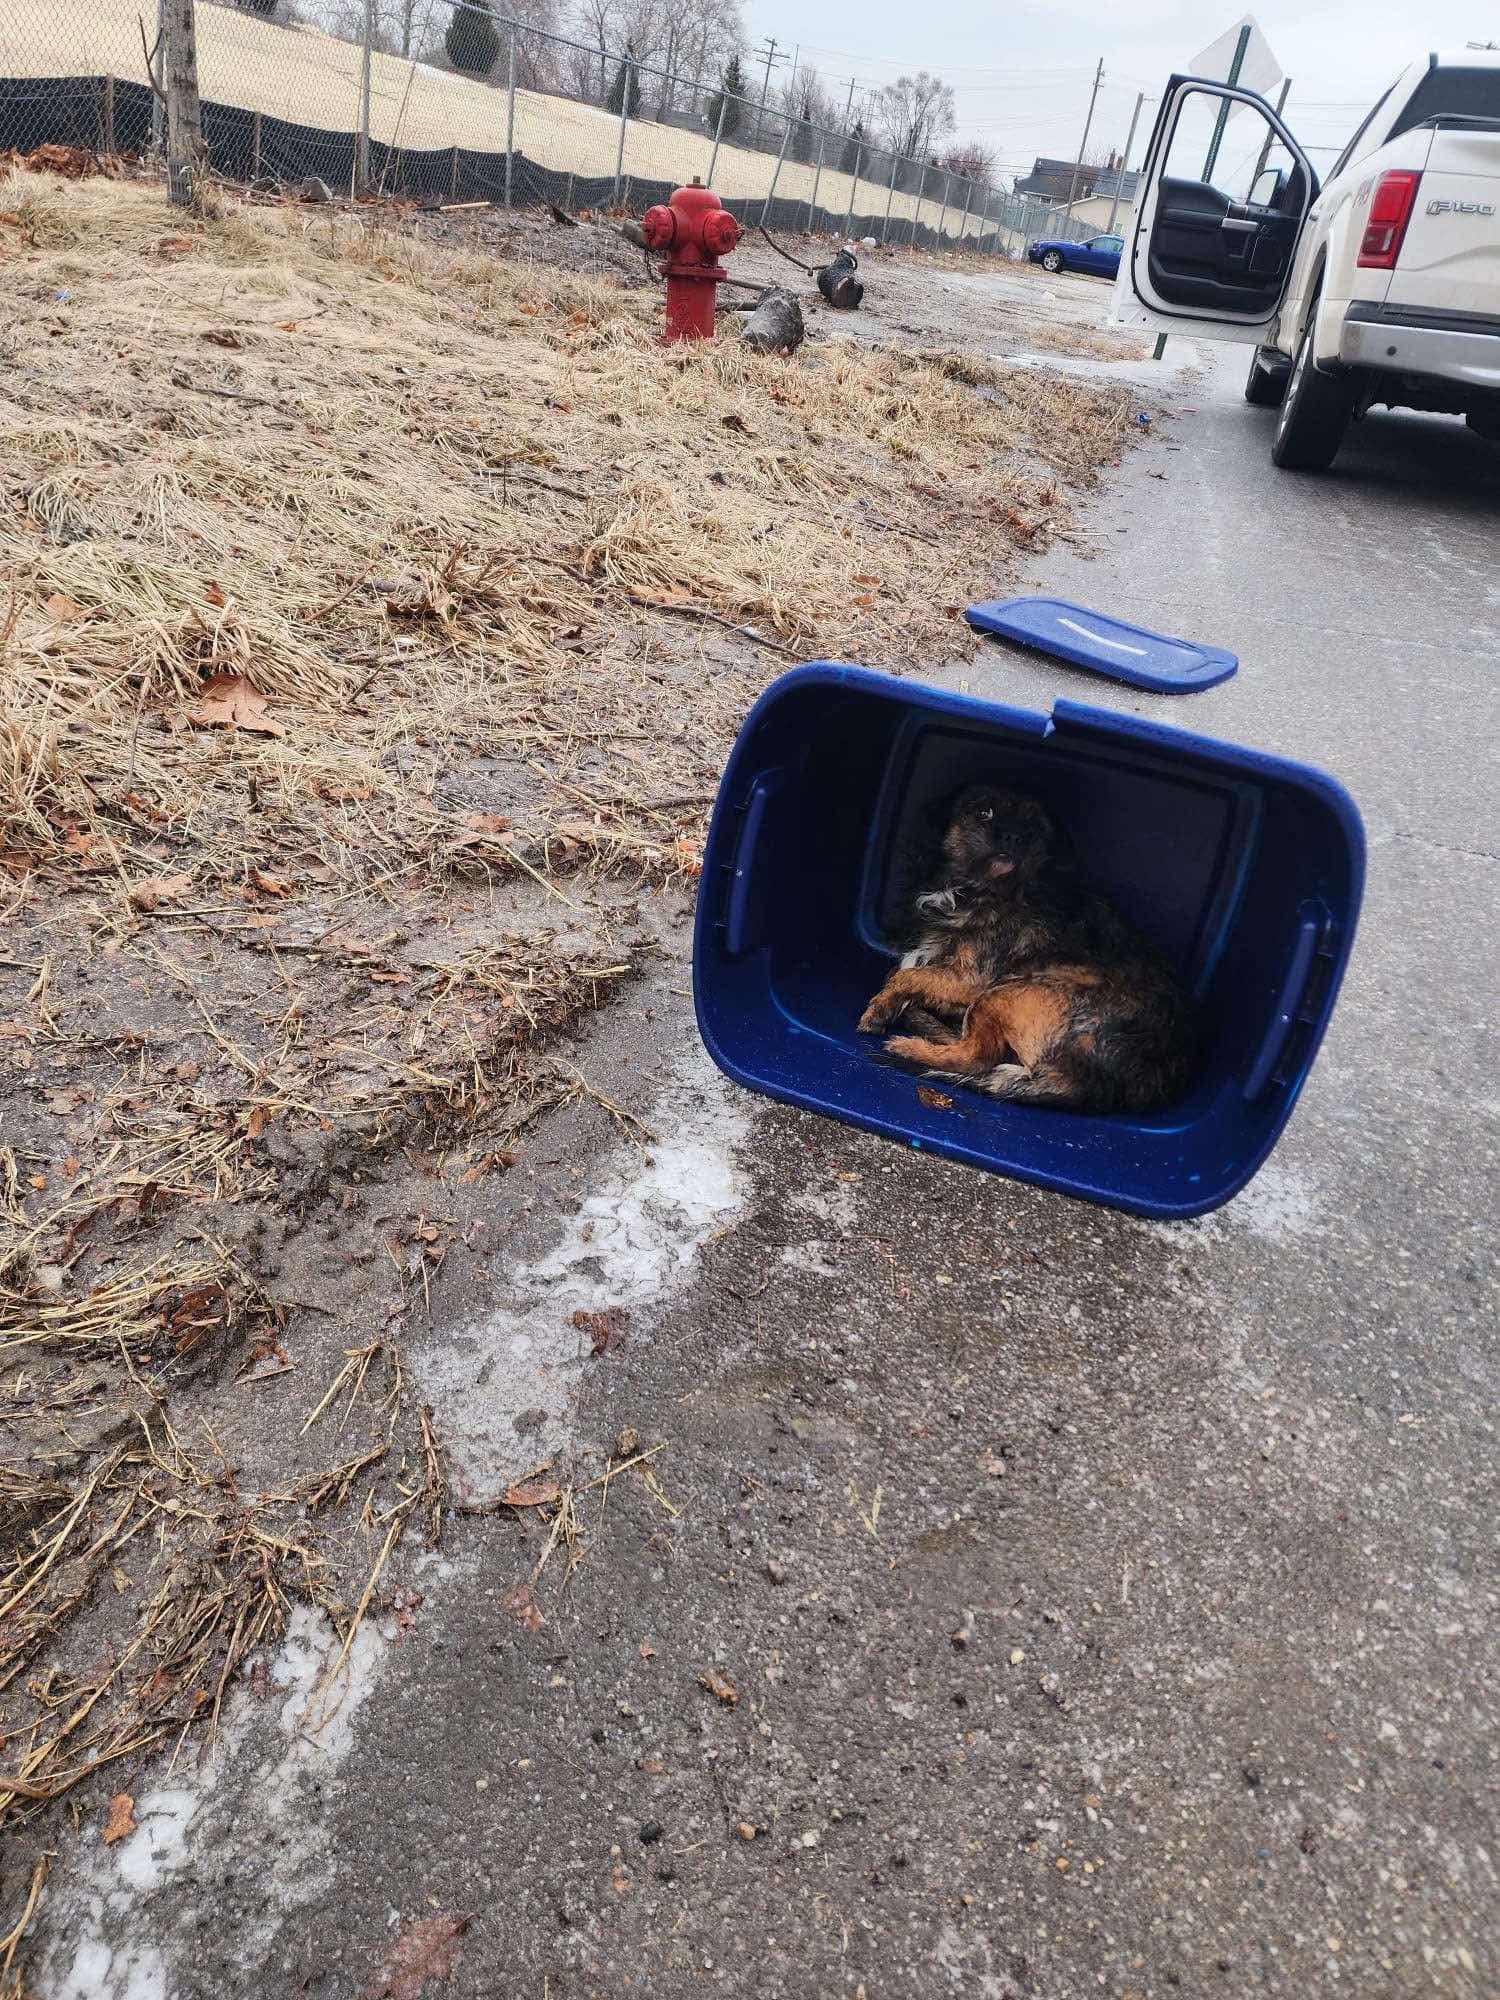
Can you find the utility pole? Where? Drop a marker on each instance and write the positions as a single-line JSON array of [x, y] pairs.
[[1087, 123], [849, 104], [184, 111], [1135, 119], [769, 52]]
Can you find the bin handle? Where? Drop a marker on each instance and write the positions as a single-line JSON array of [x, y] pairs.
[[737, 904], [1284, 1012]]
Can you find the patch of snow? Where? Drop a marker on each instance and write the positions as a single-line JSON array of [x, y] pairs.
[[631, 1244]]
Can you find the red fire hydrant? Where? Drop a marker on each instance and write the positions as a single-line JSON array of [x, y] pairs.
[[695, 229]]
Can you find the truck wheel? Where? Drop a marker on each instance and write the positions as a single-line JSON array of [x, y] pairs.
[[1265, 386], [1314, 415], [1052, 261]]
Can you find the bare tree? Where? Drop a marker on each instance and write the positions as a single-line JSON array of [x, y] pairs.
[[915, 112], [805, 105], [971, 162], [185, 149]]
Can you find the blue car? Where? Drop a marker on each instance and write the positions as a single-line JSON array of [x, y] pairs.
[[1100, 256]]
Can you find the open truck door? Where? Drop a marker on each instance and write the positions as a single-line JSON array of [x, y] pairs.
[[1224, 194]]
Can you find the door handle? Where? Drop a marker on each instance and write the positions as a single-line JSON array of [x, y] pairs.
[[1233, 222]]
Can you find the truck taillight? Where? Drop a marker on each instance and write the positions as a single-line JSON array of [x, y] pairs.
[[1390, 211]]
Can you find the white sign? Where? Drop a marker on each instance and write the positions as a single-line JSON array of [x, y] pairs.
[[1259, 71]]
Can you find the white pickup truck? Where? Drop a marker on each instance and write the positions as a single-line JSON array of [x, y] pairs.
[[1382, 285]]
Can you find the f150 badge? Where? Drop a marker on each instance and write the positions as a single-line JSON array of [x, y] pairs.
[[1460, 208]]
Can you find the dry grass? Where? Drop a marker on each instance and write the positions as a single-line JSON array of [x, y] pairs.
[[253, 453]]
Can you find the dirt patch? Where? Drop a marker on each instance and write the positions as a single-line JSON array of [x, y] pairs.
[[377, 615]]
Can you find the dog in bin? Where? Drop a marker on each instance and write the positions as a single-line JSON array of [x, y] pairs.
[[1025, 983]]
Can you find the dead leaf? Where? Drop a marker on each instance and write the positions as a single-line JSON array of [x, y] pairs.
[[257, 1122], [648, 1651], [426, 1949], [270, 885], [605, 1329], [520, 1602], [344, 794], [746, 1831], [486, 822], [391, 978], [39, 1182], [938, 1099], [155, 890], [223, 336], [286, 326], [652, 1766], [659, 597], [121, 1822], [260, 1679], [719, 1688], [214, 594], [63, 609], [174, 246], [79, 846], [231, 701], [539, 1493], [198, 1313], [133, 802]]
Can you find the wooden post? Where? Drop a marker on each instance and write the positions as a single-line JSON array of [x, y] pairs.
[[107, 116], [453, 188], [255, 149], [185, 154]]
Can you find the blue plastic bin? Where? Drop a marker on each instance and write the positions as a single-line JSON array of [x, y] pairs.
[[1246, 869]]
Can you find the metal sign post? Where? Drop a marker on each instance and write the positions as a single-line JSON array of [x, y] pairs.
[[1223, 118], [510, 116]]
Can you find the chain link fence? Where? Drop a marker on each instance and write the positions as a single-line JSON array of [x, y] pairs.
[[550, 120]]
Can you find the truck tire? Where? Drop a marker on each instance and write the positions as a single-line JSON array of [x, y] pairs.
[[1265, 386], [1052, 261], [1315, 413]]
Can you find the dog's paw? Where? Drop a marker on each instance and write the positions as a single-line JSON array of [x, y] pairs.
[[908, 1048], [879, 1014]]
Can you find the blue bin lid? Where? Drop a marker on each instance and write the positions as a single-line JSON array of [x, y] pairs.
[[1105, 645]]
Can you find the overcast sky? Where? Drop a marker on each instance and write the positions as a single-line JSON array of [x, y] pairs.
[[1023, 74]]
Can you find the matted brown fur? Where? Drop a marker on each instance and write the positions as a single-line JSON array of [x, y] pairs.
[[1026, 984]]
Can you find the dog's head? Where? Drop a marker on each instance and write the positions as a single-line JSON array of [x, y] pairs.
[[995, 836]]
